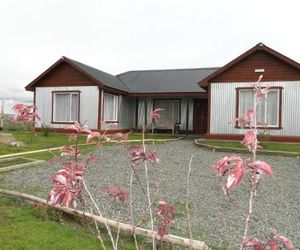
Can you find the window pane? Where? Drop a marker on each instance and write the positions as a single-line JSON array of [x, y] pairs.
[[272, 108], [171, 109], [267, 111], [62, 107], [261, 113], [245, 101], [110, 112], [74, 107]]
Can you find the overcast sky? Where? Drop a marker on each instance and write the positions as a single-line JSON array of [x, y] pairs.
[[117, 36]]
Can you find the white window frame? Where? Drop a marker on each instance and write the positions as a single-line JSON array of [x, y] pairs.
[[278, 108], [116, 108], [70, 93]]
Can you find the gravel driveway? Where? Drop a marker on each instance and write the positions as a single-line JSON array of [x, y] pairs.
[[215, 219]]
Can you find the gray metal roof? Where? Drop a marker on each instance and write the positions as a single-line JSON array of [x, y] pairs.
[[105, 78], [151, 81], [164, 81]]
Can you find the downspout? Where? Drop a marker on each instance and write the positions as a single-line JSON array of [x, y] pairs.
[[100, 109], [187, 116]]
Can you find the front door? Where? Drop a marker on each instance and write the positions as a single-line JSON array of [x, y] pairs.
[[200, 116]]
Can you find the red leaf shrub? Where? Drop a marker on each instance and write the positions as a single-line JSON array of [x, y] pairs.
[[117, 193]]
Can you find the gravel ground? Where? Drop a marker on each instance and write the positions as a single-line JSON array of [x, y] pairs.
[[215, 219]]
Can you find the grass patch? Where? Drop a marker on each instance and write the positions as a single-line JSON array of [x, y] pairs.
[[25, 227], [14, 161], [265, 145], [38, 141]]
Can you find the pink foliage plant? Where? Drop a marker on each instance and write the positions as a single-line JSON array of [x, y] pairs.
[[24, 113], [166, 215], [116, 193], [138, 155], [69, 181], [232, 170], [155, 114]]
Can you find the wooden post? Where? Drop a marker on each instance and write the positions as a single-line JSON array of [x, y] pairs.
[[2, 116]]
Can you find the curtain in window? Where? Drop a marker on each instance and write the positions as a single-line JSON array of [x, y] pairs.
[[246, 101], [62, 107], [66, 107], [261, 113], [74, 107], [266, 110], [110, 111], [272, 107], [171, 109]]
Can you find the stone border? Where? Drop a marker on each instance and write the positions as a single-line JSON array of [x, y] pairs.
[[245, 151]]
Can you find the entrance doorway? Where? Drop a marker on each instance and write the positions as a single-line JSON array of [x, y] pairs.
[[200, 116]]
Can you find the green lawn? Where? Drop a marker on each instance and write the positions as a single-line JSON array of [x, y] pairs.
[[25, 227], [11, 162], [265, 145], [38, 141]]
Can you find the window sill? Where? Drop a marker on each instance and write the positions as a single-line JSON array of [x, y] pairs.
[[64, 122], [268, 128], [111, 122]]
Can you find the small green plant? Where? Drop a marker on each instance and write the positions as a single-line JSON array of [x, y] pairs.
[[45, 129], [44, 212], [264, 135]]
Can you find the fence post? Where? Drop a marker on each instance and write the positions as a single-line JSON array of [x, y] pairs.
[[2, 116]]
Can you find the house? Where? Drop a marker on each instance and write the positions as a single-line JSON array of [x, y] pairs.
[[200, 101], [230, 91]]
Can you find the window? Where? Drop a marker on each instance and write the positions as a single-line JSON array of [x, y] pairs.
[[110, 107], [65, 107], [171, 109], [268, 110]]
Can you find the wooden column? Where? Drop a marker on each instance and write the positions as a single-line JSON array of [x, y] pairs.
[[136, 112], [146, 112]]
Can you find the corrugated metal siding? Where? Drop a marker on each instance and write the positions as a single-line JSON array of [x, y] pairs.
[[88, 104], [126, 114], [223, 107]]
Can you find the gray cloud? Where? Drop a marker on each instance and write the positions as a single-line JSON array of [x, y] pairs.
[[116, 36]]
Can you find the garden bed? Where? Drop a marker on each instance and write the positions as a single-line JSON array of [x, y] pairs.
[[215, 220], [267, 148]]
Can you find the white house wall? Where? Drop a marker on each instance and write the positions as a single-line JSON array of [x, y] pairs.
[[223, 107], [126, 115], [88, 104]]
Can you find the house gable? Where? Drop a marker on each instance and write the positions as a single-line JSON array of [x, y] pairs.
[[61, 74], [276, 67]]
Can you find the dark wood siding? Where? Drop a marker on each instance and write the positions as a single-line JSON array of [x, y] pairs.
[[244, 71], [64, 75]]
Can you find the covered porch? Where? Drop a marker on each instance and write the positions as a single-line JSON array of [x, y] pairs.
[[187, 113]]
